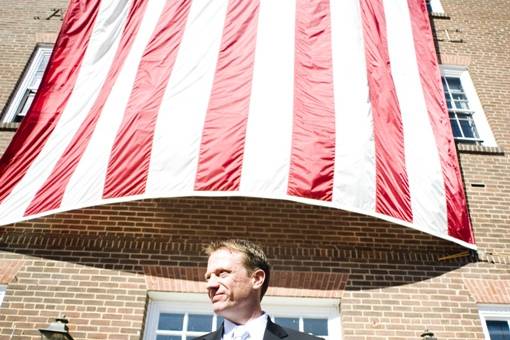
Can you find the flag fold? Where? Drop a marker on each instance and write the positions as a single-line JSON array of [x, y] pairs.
[[326, 102]]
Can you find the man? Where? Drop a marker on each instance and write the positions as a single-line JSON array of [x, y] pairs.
[[237, 278]]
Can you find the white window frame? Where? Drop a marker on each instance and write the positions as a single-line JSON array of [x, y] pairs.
[[479, 118], [329, 309], [436, 6], [2, 293], [41, 51], [169, 302], [180, 303], [493, 313]]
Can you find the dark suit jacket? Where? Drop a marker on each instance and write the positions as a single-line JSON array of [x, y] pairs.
[[273, 332]]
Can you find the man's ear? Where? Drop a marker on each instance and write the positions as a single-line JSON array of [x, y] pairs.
[[258, 277]]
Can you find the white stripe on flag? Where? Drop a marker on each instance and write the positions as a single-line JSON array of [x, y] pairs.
[[180, 119], [269, 130], [354, 182], [422, 160], [86, 184], [96, 63]]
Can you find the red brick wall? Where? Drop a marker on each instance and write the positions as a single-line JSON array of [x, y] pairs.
[[156, 244], [97, 264], [483, 26], [6, 133]]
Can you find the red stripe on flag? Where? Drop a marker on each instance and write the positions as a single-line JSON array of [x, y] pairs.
[[459, 225], [392, 185], [313, 137], [51, 98], [51, 193], [128, 167], [222, 146]]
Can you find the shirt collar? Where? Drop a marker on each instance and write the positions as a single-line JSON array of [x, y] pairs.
[[256, 327]]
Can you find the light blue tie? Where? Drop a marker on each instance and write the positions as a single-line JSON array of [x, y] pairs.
[[240, 333]]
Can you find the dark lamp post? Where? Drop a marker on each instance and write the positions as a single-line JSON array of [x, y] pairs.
[[57, 330], [428, 335]]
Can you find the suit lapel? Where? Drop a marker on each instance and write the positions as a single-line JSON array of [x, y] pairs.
[[216, 335], [273, 331]]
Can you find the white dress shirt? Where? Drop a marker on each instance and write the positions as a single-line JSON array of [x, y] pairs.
[[255, 328]]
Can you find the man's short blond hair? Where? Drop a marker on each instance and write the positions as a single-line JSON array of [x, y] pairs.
[[254, 256]]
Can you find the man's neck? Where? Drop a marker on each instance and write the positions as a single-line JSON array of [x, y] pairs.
[[254, 327], [244, 319]]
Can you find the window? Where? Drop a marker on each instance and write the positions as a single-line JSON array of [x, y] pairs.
[[319, 317], [434, 6], [495, 322], [468, 121], [27, 86], [461, 116], [179, 316]]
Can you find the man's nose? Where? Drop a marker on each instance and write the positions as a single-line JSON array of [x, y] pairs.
[[212, 282]]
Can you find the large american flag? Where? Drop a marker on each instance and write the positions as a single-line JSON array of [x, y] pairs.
[[336, 103]]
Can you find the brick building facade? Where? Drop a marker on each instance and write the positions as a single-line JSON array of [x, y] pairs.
[[107, 267]]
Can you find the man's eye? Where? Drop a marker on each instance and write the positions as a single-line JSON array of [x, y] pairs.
[[223, 274]]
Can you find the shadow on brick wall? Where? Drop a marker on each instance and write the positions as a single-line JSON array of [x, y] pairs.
[[360, 251]]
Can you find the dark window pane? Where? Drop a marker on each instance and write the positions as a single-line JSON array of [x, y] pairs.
[[459, 96], [288, 322], [44, 62], [461, 105], [467, 129], [36, 81], [25, 104], [200, 323], [498, 330], [455, 128], [171, 322], [316, 326], [168, 337], [454, 84]]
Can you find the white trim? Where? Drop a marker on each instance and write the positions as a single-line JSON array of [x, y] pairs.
[[38, 55], [481, 123], [2, 293], [176, 303], [273, 305], [307, 308], [493, 312]]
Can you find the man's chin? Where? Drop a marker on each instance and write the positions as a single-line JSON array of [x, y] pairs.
[[225, 310], [219, 307]]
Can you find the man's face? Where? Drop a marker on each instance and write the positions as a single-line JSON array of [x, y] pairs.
[[233, 292]]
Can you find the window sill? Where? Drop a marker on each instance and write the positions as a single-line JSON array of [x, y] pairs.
[[9, 126], [479, 149], [439, 15]]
